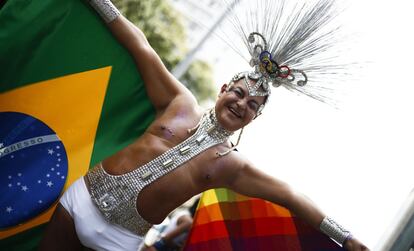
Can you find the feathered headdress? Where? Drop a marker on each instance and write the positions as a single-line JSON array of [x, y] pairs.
[[289, 44]]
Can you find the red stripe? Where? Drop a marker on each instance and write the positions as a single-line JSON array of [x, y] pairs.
[[261, 227], [243, 228], [223, 244], [254, 208], [262, 243], [315, 242], [209, 231]]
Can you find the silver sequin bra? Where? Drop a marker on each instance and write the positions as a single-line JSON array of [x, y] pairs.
[[116, 195]]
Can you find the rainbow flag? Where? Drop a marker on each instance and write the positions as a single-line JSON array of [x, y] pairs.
[[226, 221], [70, 95]]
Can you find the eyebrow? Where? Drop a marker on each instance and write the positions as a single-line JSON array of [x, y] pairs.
[[237, 87]]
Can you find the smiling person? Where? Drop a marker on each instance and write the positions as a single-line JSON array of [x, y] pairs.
[[184, 152]]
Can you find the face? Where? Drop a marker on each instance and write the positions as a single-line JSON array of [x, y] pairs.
[[235, 108]]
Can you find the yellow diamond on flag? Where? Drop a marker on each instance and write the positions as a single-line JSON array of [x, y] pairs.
[[71, 106]]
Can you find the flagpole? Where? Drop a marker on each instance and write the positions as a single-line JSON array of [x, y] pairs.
[[399, 236]]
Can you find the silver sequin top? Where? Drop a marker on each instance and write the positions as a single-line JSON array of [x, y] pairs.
[[116, 195]]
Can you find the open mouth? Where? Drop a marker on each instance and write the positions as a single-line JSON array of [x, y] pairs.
[[235, 113]]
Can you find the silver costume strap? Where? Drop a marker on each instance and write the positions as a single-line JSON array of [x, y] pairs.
[[105, 9], [116, 195], [334, 230]]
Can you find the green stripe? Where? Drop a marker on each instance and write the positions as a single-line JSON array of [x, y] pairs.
[[224, 194], [27, 240]]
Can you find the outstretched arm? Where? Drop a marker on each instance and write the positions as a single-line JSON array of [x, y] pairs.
[[254, 183], [162, 87]]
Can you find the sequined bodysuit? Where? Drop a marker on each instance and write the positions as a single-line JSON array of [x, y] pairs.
[[116, 195]]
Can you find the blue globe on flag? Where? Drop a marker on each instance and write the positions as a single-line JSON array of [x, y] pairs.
[[33, 168]]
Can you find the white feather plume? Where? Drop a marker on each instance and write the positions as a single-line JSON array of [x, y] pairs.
[[303, 35]]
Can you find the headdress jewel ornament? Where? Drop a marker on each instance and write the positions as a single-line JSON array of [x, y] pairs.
[[266, 70]]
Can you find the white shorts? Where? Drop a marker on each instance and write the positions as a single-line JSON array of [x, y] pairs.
[[91, 227]]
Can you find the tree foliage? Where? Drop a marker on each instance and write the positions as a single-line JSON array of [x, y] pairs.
[[198, 79], [163, 27]]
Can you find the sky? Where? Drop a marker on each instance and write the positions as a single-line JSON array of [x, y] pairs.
[[356, 162]]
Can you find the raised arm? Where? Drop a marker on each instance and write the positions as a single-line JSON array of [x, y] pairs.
[[162, 87], [254, 183]]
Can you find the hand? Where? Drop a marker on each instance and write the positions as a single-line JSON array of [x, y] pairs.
[[167, 242], [355, 245]]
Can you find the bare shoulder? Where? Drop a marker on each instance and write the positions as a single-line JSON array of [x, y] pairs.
[[231, 165], [237, 160], [185, 103], [186, 100]]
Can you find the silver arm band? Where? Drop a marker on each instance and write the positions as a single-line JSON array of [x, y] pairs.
[[105, 9], [334, 230]]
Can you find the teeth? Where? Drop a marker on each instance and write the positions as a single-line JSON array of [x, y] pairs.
[[235, 112]]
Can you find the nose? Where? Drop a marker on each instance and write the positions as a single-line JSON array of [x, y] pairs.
[[242, 103]]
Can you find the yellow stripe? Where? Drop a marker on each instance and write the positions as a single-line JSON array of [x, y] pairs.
[[208, 197]]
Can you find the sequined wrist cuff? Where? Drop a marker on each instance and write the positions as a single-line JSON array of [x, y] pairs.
[[105, 9], [334, 230]]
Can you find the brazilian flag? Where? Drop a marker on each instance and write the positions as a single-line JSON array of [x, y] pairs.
[[70, 96]]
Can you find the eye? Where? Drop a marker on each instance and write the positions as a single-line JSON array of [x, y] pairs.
[[254, 106], [238, 93]]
